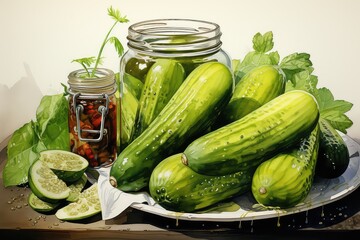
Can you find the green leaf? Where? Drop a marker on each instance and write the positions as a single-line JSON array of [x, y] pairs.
[[234, 64], [275, 57], [254, 59], [294, 63], [117, 44], [263, 43], [303, 81], [85, 61], [338, 120], [21, 153], [330, 109], [115, 14], [96, 61], [49, 132], [334, 110], [52, 116]]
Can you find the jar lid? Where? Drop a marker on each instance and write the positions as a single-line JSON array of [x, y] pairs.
[[102, 83]]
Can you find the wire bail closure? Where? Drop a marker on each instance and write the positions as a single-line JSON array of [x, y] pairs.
[[103, 110]]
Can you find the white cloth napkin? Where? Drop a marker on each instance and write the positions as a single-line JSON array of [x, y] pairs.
[[114, 201]]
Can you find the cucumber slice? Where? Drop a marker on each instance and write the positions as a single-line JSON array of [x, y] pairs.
[[39, 205], [76, 188], [68, 166], [45, 184], [87, 205]]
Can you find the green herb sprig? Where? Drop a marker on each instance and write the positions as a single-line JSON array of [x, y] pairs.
[[87, 62]]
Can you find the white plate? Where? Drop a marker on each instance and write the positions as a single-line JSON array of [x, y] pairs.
[[324, 191]]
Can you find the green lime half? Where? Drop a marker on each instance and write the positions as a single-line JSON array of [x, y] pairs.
[[86, 206], [45, 184], [68, 166]]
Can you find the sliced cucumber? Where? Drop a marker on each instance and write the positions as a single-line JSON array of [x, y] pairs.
[[76, 188], [45, 184], [86, 206], [68, 166], [39, 205]]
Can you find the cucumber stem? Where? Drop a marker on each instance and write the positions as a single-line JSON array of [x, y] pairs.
[[184, 159], [113, 181], [262, 190]]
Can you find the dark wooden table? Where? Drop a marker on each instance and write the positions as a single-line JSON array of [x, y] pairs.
[[340, 219]]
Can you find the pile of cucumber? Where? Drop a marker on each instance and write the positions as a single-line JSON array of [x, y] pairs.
[[211, 140]]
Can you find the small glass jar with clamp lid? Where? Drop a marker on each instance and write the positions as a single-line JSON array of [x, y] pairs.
[[92, 116]]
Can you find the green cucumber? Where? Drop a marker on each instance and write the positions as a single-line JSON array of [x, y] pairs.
[[286, 179], [189, 113], [39, 205], [247, 142], [256, 88], [138, 67], [333, 153], [163, 79], [68, 166], [133, 85], [128, 114], [45, 184], [86, 206], [178, 188]]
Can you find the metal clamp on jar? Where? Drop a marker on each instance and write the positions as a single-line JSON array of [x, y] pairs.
[[92, 116]]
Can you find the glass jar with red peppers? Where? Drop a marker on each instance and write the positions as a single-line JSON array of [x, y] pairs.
[[92, 116]]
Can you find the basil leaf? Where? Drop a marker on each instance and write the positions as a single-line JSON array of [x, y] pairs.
[[52, 117], [49, 132], [21, 152]]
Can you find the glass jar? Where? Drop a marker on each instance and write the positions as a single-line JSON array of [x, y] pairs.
[[189, 42], [92, 116]]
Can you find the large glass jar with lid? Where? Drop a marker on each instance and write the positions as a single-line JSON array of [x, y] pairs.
[[156, 48], [92, 116]]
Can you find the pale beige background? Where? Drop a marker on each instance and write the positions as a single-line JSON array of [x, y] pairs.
[[39, 38]]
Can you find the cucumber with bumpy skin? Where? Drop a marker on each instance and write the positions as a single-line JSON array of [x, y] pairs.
[[189, 113], [129, 109], [133, 85], [256, 88], [333, 153], [286, 179], [178, 188], [163, 79], [247, 142]]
